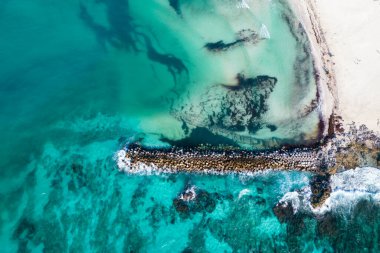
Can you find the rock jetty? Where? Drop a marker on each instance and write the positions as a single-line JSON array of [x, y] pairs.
[[219, 161]]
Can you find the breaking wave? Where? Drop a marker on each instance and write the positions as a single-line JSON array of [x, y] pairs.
[[347, 189]]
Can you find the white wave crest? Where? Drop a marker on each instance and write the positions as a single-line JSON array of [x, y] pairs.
[[189, 194], [292, 198], [243, 193], [347, 189], [351, 186], [123, 163], [359, 180]]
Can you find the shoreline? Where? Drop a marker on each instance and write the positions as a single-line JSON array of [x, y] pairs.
[[350, 53], [305, 14]]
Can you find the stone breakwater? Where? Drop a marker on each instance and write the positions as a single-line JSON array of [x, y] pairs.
[[135, 159], [343, 150], [357, 147]]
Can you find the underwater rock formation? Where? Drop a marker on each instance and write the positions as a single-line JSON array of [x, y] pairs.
[[193, 200], [231, 108], [284, 212], [320, 189]]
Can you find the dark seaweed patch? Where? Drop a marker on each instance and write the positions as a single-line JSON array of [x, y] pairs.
[[175, 65], [134, 241], [25, 230], [175, 4], [102, 34], [124, 34], [185, 127], [245, 35], [361, 225], [221, 46], [272, 128], [197, 240], [138, 196], [159, 213], [283, 212]]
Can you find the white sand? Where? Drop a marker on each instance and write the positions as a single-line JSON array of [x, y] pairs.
[[352, 32]]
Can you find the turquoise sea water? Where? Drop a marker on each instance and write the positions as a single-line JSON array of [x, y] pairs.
[[80, 79]]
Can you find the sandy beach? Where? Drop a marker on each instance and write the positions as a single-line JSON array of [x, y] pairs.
[[352, 33], [349, 43]]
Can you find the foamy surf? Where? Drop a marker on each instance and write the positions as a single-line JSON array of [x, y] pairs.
[[351, 186], [347, 189], [244, 192], [123, 163]]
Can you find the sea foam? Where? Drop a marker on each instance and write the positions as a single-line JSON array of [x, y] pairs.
[[347, 189], [350, 186], [244, 192]]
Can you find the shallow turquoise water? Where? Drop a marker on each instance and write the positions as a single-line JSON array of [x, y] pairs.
[[146, 65], [80, 79]]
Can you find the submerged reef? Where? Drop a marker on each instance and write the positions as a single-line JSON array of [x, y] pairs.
[[193, 200], [229, 108]]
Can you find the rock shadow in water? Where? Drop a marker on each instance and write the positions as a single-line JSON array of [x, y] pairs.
[[125, 34]]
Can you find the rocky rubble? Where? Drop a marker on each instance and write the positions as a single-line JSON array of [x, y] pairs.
[[357, 147]]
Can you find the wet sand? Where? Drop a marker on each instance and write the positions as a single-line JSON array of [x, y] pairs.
[[305, 13]]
